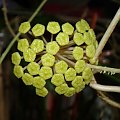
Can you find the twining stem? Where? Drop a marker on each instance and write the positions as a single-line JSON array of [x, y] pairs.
[[103, 96], [8, 48], [105, 88], [6, 18], [106, 69], [37, 10], [108, 100], [107, 34], [18, 34]]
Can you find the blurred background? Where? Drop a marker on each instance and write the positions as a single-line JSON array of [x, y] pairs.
[[19, 102]]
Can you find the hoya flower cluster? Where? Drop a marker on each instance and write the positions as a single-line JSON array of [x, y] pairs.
[[61, 58]]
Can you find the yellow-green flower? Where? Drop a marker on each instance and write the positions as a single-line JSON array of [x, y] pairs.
[[41, 92], [70, 92], [16, 58], [53, 27], [90, 51], [23, 45], [87, 38], [92, 34], [67, 28], [78, 38], [18, 71], [33, 68], [61, 67], [79, 66], [93, 61], [57, 79], [24, 27], [87, 75], [29, 55], [96, 44], [78, 53], [38, 30], [82, 26], [27, 79], [62, 39], [70, 74], [80, 88], [38, 82], [37, 45], [61, 89], [52, 47], [78, 83], [46, 72], [48, 59], [62, 58]]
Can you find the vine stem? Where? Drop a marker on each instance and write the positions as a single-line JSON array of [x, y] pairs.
[[106, 69], [102, 95], [18, 34], [107, 34], [108, 100], [37, 10], [105, 88]]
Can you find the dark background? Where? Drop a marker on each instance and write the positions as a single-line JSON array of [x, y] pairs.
[[19, 102]]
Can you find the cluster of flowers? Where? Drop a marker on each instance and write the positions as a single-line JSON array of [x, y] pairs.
[[63, 60]]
